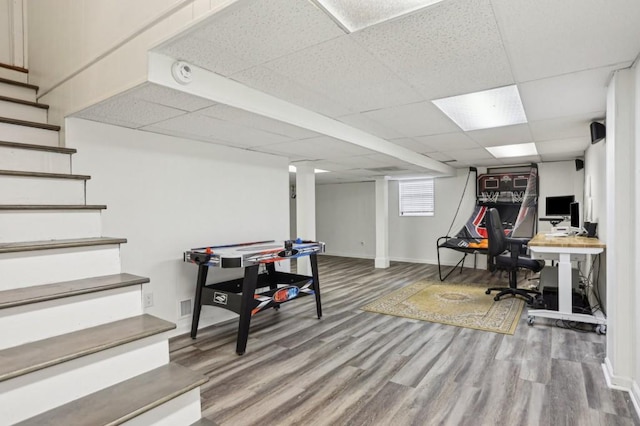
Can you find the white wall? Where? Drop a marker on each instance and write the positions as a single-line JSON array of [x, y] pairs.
[[6, 35], [345, 219], [559, 178], [167, 195], [74, 43]]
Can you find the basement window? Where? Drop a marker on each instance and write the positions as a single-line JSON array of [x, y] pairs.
[[417, 197]]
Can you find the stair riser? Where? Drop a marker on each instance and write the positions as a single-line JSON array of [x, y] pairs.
[[22, 112], [37, 190], [26, 134], [34, 161], [182, 410], [55, 317], [40, 225], [26, 396], [17, 92], [26, 269], [14, 75]]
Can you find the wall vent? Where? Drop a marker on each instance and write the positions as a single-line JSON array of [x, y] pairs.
[[185, 308]]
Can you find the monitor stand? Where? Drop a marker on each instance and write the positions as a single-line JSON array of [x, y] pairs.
[[554, 220]]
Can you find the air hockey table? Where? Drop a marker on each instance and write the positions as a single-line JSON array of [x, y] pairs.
[[240, 295]]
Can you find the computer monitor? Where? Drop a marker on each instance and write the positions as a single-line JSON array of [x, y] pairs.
[[559, 206], [575, 216]]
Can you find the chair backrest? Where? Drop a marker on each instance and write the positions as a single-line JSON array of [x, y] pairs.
[[495, 233]]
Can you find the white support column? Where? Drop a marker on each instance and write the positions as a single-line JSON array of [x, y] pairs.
[[382, 222], [305, 209], [620, 232]]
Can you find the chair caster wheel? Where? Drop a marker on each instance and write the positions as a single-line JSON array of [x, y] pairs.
[[530, 321], [487, 292], [601, 329], [496, 298], [277, 307]]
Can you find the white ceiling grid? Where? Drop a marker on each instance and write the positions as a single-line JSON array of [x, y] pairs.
[[382, 79]]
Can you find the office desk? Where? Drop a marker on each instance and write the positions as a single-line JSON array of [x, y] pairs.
[[565, 248]]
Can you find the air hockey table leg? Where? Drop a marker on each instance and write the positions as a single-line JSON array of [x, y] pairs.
[[248, 290], [197, 305], [313, 259]]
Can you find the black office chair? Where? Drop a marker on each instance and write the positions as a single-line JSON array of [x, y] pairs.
[[505, 254]]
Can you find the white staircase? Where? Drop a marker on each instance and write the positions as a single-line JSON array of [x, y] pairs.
[[75, 345]]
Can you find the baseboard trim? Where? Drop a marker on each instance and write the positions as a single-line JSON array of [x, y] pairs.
[[622, 383]]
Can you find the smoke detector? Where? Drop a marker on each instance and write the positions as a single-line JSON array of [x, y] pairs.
[[181, 72]]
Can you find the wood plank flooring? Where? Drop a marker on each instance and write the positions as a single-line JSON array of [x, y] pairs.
[[360, 368]]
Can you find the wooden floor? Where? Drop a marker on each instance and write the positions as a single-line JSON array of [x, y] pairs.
[[359, 368]]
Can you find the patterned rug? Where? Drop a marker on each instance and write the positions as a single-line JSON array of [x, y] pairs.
[[461, 304]]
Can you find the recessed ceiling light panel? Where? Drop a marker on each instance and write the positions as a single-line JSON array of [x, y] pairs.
[[354, 15], [484, 110], [517, 150], [292, 169]]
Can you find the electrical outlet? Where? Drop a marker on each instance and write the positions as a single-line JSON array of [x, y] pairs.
[[148, 300]]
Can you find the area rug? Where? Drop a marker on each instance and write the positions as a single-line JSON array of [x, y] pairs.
[[461, 304]]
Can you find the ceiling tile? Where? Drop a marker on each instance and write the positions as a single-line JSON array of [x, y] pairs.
[[451, 48], [268, 81], [570, 155], [440, 156], [416, 119], [248, 33], [505, 135], [412, 144], [169, 97], [469, 154], [128, 111], [204, 127], [565, 127], [563, 145], [256, 121], [550, 37], [448, 142], [566, 95], [343, 71]]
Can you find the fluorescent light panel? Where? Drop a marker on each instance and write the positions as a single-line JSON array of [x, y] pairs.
[[484, 110], [354, 15], [292, 169], [517, 150]]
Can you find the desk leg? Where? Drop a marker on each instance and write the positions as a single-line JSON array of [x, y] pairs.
[[565, 301], [197, 305], [248, 290], [313, 259]]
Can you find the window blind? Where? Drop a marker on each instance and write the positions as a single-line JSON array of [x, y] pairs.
[[417, 197]]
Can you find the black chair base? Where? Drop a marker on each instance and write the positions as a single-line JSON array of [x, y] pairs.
[[526, 294]]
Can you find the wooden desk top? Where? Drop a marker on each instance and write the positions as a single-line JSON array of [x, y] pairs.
[[542, 240]]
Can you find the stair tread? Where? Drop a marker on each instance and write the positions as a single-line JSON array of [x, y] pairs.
[[29, 124], [42, 293], [23, 102], [34, 356], [19, 145], [14, 68], [53, 207], [126, 400], [55, 244], [18, 83], [44, 175]]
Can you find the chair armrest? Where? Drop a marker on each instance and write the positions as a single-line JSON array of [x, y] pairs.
[[516, 246]]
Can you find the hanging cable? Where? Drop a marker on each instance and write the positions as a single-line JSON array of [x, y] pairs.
[[464, 191]]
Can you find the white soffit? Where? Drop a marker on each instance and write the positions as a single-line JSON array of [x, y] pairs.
[[222, 90], [549, 37]]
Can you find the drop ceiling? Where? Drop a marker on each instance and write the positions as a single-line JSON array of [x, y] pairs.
[[382, 79]]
